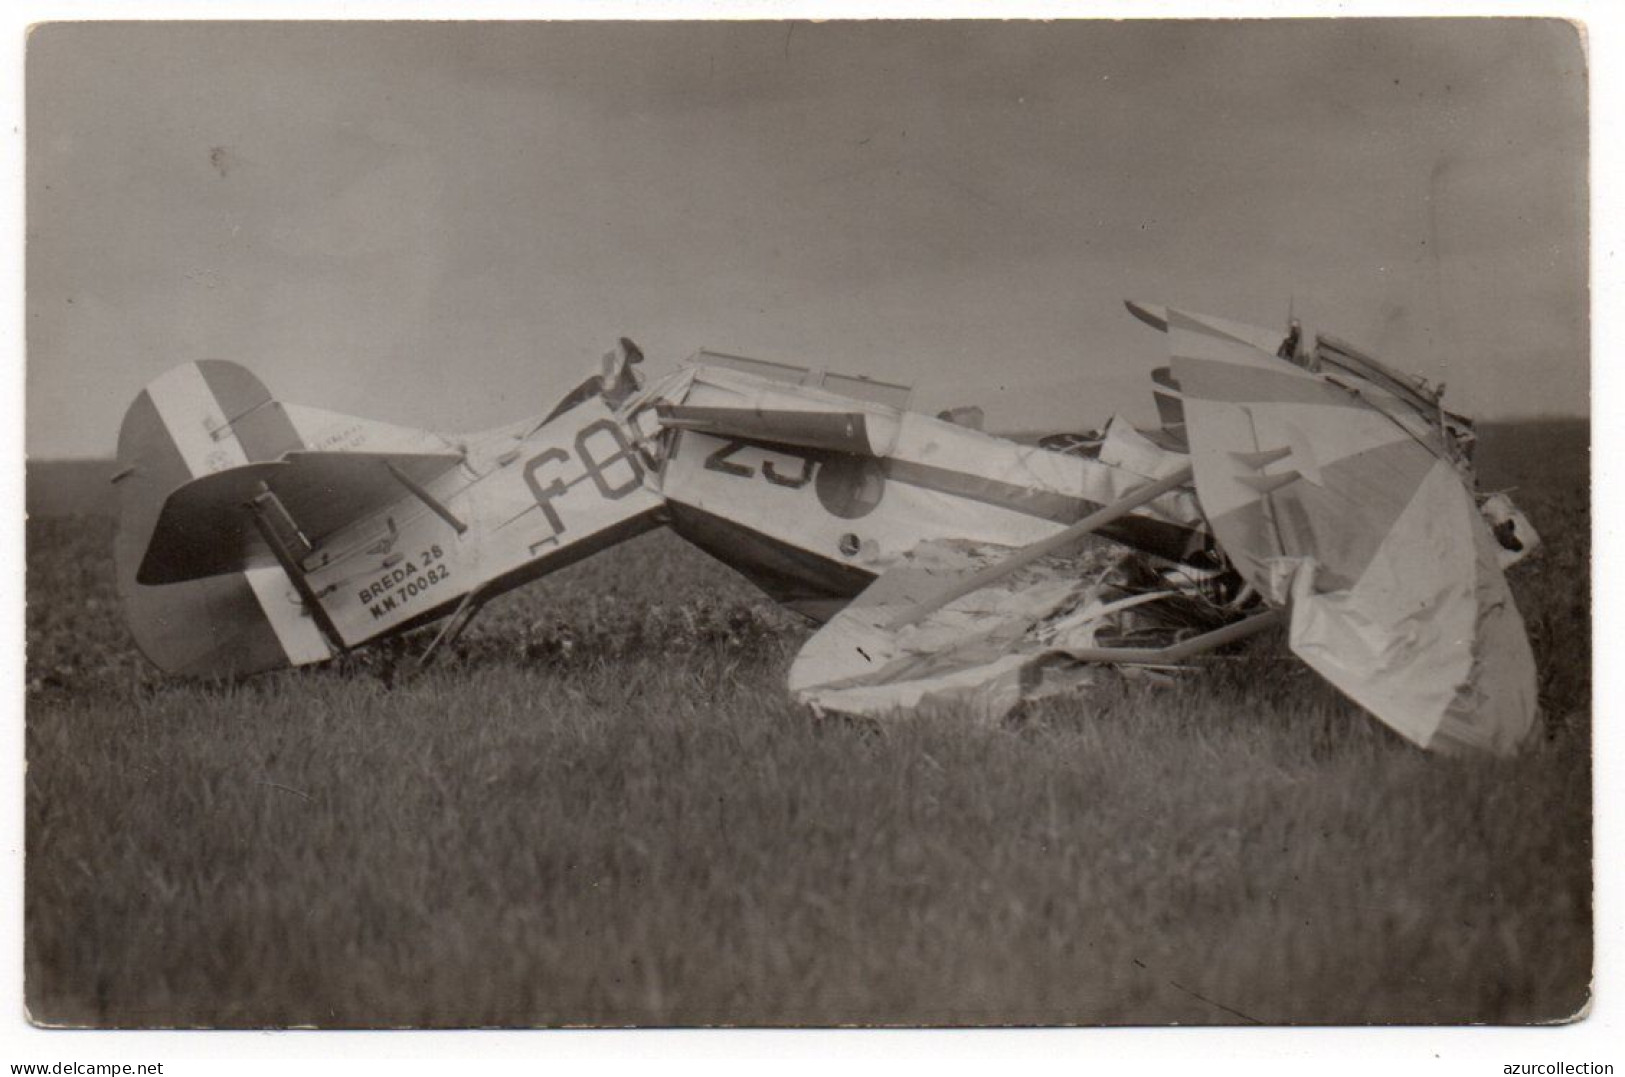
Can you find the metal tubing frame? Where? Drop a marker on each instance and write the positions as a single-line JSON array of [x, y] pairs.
[[1178, 652]]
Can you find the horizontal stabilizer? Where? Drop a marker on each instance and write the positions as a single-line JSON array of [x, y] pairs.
[[834, 431], [205, 527]]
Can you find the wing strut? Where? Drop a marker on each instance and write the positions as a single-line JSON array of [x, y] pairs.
[[1044, 547], [464, 613], [267, 512], [435, 505]]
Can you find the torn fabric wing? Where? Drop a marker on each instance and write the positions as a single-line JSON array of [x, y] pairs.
[[987, 651], [1359, 521]]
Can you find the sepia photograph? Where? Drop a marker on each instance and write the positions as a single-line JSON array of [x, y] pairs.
[[782, 523]]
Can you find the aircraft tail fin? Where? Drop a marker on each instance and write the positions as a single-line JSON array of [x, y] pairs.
[[195, 420]]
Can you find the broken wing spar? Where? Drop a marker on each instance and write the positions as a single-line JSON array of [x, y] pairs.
[[1055, 544]]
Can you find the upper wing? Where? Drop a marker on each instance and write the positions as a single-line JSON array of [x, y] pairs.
[[1359, 519], [205, 529], [834, 431]]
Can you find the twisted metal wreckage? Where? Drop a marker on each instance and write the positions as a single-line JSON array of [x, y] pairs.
[[1288, 483]]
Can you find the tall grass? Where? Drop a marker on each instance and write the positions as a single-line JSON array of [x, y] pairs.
[[604, 810]]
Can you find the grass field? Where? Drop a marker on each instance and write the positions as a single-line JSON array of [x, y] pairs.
[[604, 810]]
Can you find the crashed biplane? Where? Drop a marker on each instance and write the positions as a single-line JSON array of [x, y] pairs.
[[1308, 486]]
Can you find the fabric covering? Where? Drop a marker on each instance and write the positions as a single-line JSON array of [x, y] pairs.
[[988, 651], [1369, 534]]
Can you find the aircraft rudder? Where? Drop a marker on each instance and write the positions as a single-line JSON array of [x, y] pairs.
[[192, 420]]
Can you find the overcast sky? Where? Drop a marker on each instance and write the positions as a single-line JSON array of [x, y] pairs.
[[442, 224]]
